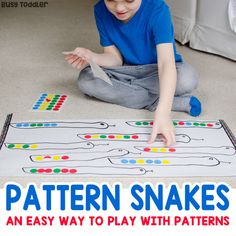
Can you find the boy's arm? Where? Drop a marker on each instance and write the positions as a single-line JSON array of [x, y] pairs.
[[81, 56], [167, 77]]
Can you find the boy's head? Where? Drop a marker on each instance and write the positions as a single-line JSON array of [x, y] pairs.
[[123, 10]]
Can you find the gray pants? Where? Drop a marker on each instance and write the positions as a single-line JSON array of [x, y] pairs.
[[135, 86]]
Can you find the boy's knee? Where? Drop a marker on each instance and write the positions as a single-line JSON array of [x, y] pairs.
[[84, 80], [187, 79]]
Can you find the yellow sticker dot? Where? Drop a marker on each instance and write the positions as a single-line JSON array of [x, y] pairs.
[[119, 136], [38, 158], [155, 149], [166, 162], [56, 158], [18, 146], [34, 146], [140, 161], [163, 149], [95, 136]]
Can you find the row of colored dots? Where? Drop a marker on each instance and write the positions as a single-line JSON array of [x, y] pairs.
[[103, 136], [24, 146], [19, 125], [142, 161], [181, 123], [147, 149], [55, 158], [55, 171], [145, 123]]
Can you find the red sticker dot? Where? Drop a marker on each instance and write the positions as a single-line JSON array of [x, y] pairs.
[[181, 123], [48, 171], [111, 136], [64, 157], [40, 170], [73, 171], [88, 136], [48, 100], [64, 96], [135, 137], [172, 149], [64, 170], [59, 104], [47, 157], [147, 149], [151, 123], [210, 125]]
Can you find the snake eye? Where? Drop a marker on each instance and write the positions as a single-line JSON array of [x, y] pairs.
[[141, 169], [102, 124]]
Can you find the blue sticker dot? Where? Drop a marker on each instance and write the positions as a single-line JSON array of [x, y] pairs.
[[26, 125], [44, 95], [132, 161], [18, 125], [35, 108], [38, 103], [149, 161], [46, 125], [54, 124], [188, 123], [158, 162], [124, 161]]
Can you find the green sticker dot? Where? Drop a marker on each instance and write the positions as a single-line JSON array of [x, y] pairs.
[[49, 108], [57, 96], [202, 124], [196, 124], [126, 137], [138, 123], [103, 136], [145, 123], [11, 146], [26, 146], [39, 125], [33, 171], [175, 123], [33, 125], [56, 171]]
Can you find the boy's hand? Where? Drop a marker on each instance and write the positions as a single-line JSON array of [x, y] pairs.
[[79, 58], [163, 125]]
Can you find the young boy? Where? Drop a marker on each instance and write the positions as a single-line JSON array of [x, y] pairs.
[[141, 60]]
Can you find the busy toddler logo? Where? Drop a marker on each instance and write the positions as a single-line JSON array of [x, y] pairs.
[[24, 4], [92, 206]]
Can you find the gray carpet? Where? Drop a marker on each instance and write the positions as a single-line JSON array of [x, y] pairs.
[[31, 42]]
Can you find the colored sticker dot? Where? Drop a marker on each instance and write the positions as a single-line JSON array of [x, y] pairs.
[[95, 136], [138, 123], [26, 125], [210, 125], [34, 146], [135, 137], [56, 171], [202, 124], [39, 125], [64, 170], [65, 158], [119, 136], [163, 149], [88, 136], [175, 123], [140, 161], [48, 171], [47, 157], [73, 171], [145, 123], [147, 149], [32, 125], [11, 146], [40, 170], [18, 146], [172, 149], [158, 162], [132, 161], [166, 162], [149, 161], [181, 123], [196, 124], [111, 136], [18, 125], [124, 161], [151, 123], [38, 158], [33, 171], [155, 149], [126, 137], [188, 123], [103, 136], [56, 158]]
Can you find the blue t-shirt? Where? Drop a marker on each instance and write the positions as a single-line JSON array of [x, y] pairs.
[[137, 39]]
